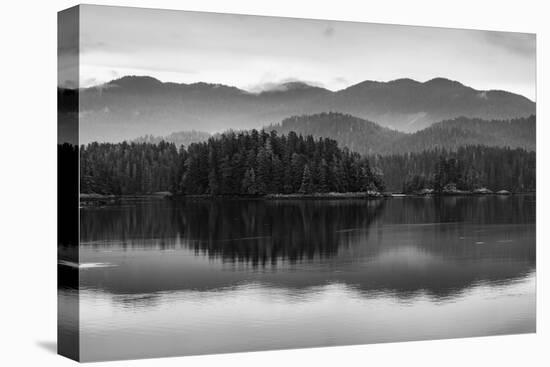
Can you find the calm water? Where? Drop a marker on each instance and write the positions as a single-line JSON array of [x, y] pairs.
[[161, 278]]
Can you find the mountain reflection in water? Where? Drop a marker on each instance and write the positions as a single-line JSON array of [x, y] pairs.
[[413, 255]]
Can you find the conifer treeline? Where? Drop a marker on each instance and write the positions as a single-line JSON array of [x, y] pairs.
[[467, 168], [244, 163], [258, 163]]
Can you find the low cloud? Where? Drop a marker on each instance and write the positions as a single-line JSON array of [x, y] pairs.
[[279, 86]]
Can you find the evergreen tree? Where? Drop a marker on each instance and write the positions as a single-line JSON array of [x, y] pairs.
[[249, 183], [277, 175], [468, 168], [263, 176], [323, 172], [307, 185], [225, 164]]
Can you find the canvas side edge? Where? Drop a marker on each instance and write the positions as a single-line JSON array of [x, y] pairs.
[[68, 317]]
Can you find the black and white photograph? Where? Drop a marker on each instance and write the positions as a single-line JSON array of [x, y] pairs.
[[275, 183], [234, 183]]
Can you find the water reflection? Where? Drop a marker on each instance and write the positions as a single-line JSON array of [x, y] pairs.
[[171, 276], [436, 245], [256, 232], [252, 317]]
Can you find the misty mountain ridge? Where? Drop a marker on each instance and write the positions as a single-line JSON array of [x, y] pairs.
[[136, 105], [462, 131], [359, 135], [367, 137]]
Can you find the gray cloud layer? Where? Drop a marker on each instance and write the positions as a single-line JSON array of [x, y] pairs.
[[247, 51]]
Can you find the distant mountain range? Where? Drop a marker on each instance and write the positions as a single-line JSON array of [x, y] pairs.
[[367, 137], [358, 135], [136, 106], [462, 131]]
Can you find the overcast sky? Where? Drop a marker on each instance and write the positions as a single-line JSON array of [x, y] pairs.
[[252, 52]]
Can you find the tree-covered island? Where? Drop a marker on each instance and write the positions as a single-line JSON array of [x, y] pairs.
[[261, 163]]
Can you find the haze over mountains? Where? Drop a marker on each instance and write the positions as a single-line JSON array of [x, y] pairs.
[[366, 137], [132, 106], [178, 138]]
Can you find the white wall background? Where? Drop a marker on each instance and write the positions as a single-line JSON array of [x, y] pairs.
[[28, 182]]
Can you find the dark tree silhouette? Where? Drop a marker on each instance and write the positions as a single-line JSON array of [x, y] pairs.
[[244, 163], [467, 168]]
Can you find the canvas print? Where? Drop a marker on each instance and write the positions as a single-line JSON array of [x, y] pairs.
[[232, 183]]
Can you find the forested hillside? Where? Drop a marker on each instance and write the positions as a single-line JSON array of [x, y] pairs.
[[467, 168], [366, 137], [358, 135], [257, 163], [326, 152], [245, 163], [462, 131]]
